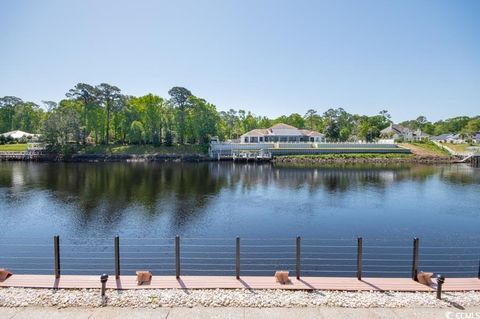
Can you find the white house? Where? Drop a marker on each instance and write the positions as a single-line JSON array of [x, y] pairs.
[[397, 132], [448, 138], [282, 133], [476, 137]]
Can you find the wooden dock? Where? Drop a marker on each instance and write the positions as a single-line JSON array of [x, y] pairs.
[[227, 282]]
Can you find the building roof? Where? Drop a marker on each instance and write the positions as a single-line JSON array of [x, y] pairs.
[[395, 128], [442, 137], [282, 129], [258, 132]]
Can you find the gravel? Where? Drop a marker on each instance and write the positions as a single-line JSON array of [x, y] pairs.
[[20, 297]]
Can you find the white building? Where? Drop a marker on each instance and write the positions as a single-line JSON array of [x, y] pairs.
[[282, 133], [19, 134]]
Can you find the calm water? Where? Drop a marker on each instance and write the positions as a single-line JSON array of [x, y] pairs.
[[208, 204]]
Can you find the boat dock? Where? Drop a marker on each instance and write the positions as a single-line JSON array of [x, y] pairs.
[[267, 151]]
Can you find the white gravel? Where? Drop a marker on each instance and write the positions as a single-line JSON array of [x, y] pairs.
[[20, 297]]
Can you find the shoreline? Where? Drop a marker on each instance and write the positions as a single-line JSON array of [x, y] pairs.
[[193, 158], [431, 160]]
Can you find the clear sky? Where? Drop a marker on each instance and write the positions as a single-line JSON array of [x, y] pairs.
[[270, 57]]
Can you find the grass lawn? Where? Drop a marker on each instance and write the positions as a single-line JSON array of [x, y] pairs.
[[146, 149], [349, 155], [13, 148], [457, 147], [425, 149]]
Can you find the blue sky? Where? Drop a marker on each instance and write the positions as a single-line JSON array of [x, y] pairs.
[[271, 57]]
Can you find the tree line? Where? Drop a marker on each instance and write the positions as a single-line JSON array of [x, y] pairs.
[[103, 114]]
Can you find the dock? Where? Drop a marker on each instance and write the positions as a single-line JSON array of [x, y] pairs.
[[230, 282], [35, 155], [267, 151]]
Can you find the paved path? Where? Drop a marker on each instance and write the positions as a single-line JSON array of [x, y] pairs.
[[234, 313], [230, 282]]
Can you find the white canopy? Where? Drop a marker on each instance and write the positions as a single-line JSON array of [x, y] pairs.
[[18, 134]]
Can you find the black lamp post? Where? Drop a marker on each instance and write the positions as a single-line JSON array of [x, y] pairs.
[[103, 280]]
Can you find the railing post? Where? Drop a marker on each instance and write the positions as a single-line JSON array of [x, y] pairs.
[[415, 258], [298, 268], [237, 257], [359, 257], [56, 252], [177, 256], [117, 257]]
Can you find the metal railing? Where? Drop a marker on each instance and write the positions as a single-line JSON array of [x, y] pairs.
[[303, 257]]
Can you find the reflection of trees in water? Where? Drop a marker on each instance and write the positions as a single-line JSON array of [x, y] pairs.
[[330, 178], [102, 191], [460, 174]]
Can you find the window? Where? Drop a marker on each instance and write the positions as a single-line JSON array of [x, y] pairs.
[[246, 139], [261, 138]]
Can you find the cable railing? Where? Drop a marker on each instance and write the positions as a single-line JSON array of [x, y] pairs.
[[178, 256]]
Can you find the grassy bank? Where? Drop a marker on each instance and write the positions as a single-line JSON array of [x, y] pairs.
[[358, 159], [461, 148], [145, 149], [425, 149], [346, 156], [13, 148]]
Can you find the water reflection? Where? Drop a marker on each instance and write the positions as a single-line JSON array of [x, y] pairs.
[[190, 186], [103, 198]]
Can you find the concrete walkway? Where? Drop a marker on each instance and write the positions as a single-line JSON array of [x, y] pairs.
[[234, 313]]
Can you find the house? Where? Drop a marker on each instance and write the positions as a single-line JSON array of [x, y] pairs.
[[398, 132], [281, 133], [19, 134], [476, 137], [448, 138]]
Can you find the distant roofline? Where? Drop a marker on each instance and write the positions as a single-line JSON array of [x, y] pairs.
[[279, 127]]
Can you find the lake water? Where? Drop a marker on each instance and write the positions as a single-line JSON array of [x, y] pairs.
[[209, 204]]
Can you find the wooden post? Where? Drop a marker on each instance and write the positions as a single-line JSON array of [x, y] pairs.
[[177, 256], [359, 257], [237, 259], [415, 258], [56, 252], [298, 268], [117, 257]]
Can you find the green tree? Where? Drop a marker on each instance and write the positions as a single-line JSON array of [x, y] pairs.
[[112, 100], [332, 132], [180, 98], [62, 126], [312, 119], [89, 96], [370, 127], [28, 117], [136, 133], [154, 118], [7, 112], [203, 119]]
